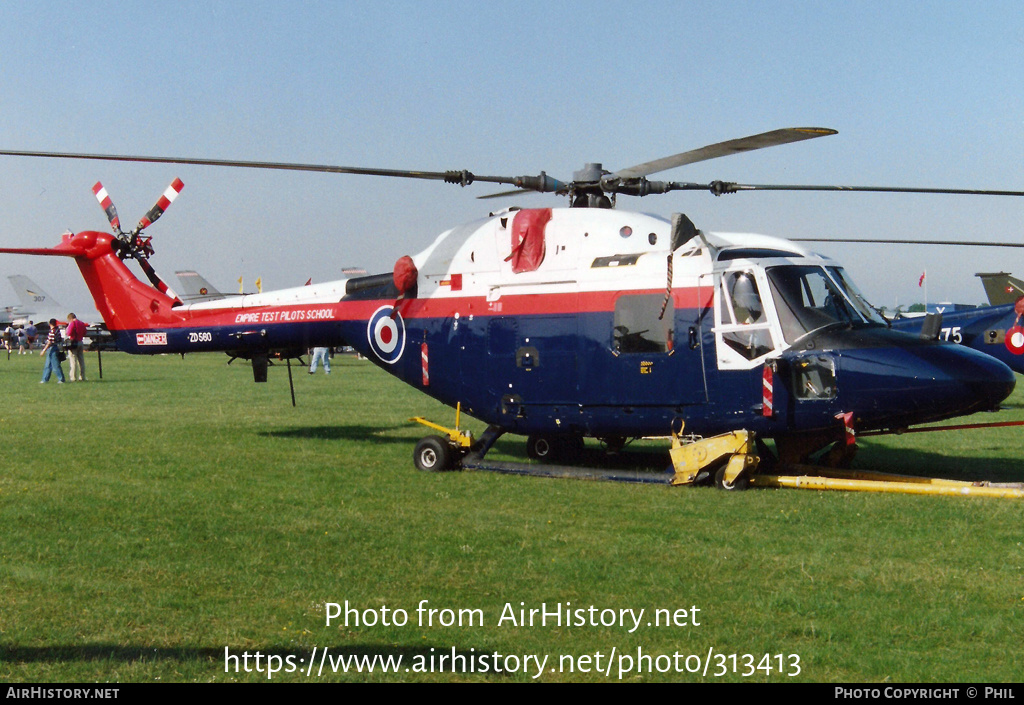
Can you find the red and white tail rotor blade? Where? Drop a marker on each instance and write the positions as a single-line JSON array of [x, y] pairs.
[[162, 204], [108, 206], [155, 279]]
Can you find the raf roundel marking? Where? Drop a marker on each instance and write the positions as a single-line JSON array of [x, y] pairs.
[[386, 335], [1015, 340]]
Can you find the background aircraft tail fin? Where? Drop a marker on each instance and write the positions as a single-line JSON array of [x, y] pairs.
[[195, 288], [31, 295], [1001, 288]]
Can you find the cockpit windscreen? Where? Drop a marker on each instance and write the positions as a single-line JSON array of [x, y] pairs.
[[810, 298]]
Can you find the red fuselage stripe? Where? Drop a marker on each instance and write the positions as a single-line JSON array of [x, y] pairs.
[[412, 309]]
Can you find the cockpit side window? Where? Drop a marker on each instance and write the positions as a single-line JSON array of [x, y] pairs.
[[743, 324], [744, 298]]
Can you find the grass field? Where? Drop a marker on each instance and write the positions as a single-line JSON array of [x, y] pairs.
[[173, 510]]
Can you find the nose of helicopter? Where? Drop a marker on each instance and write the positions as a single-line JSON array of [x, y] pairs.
[[918, 384], [981, 380]]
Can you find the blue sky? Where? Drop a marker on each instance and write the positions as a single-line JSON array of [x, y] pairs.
[[923, 94]]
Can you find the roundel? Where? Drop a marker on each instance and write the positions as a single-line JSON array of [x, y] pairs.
[[386, 334], [1015, 340]]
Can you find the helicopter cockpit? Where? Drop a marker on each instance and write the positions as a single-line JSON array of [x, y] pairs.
[[763, 310], [811, 298]]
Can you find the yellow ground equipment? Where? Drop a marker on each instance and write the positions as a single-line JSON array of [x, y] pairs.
[[817, 478], [731, 459], [730, 456], [435, 453]]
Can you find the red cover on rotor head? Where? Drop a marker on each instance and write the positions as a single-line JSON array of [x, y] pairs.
[[528, 239]]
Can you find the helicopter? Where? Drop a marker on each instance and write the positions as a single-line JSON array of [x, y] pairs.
[[588, 321]]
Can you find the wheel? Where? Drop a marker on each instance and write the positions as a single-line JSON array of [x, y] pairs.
[[741, 483], [432, 454], [557, 449], [541, 447]]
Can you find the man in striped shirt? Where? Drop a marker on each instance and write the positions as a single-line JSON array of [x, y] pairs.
[[50, 353]]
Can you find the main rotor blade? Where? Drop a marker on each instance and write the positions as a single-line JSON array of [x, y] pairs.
[[724, 149], [505, 194], [956, 243], [720, 187], [462, 177]]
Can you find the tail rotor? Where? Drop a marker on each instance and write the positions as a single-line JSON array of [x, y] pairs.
[[132, 244]]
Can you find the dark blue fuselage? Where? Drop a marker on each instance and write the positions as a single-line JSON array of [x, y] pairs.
[[565, 374]]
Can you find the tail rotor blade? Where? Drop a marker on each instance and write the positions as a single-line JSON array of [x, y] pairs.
[[162, 204], [108, 206], [157, 282]]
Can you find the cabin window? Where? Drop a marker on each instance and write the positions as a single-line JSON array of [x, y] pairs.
[[639, 326]]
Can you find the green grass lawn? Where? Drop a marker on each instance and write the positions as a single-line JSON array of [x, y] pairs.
[[174, 509]]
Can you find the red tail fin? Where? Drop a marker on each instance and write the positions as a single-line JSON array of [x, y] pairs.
[[124, 302]]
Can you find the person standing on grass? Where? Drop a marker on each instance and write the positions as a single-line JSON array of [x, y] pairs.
[[50, 352], [320, 355], [76, 335]]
